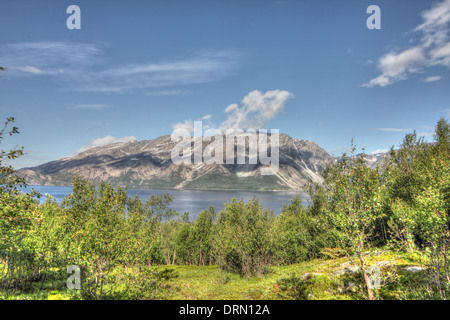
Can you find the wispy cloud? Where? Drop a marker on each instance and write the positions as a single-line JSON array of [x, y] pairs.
[[433, 49], [426, 134], [166, 93], [100, 142], [203, 68], [30, 158], [31, 69], [96, 106], [432, 78], [87, 68], [392, 129], [54, 58]]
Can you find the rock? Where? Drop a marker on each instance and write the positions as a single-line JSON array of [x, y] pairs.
[[384, 263], [352, 270], [347, 269], [338, 272], [306, 276], [414, 268], [309, 275]]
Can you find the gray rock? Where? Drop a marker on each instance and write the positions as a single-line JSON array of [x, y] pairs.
[[306, 275], [414, 268], [352, 270], [338, 272], [347, 268], [384, 263]]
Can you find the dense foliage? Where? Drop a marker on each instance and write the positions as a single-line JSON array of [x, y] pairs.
[[122, 244]]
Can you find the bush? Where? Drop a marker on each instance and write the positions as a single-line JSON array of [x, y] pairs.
[[242, 238]]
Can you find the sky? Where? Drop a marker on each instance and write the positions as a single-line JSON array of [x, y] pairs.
[[140, 69]]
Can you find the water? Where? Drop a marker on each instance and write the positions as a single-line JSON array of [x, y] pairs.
[[192, 201]]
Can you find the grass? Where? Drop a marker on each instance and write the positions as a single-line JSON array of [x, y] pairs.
[[211, 283], [316, 280]]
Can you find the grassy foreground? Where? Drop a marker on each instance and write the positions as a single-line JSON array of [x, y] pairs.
[[333, 279]]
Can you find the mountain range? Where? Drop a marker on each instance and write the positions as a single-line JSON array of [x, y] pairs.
[[148, 164]]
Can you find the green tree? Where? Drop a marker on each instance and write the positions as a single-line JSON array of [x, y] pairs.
[[93, 229], [296, 234], [354, 192], [433, 203], [403, 184], [242, 238], [202, 232], [17, 212]]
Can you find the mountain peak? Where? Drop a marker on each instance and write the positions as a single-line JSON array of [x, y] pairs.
[[148, 164]]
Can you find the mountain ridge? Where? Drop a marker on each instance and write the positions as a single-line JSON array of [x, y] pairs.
[[148, 164]]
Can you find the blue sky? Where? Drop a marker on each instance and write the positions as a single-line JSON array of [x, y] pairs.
[[139, 69]]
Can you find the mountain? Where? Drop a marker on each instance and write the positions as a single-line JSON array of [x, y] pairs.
[[372, 160], [375, 159], [148, 164]]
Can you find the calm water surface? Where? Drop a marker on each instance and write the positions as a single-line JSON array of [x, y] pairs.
[[193, 201]]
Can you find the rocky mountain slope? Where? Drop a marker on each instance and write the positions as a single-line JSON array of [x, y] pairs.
[[148, 164]]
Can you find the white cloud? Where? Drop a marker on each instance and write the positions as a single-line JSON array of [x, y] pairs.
[[441, 55], [257, 109], [31, 69], [435, 24], [379, 151], [432, 78], [433, 49], [448, 112], [392, 129], [395, 67], [96, 106], [187, 125], [231, 107], [100, 142]]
